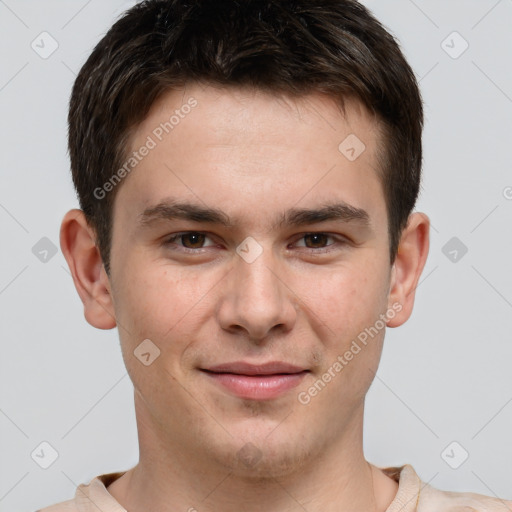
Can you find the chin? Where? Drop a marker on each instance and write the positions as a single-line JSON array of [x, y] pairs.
[[263, 458]]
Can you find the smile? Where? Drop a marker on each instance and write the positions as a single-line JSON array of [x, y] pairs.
[[256, 382]]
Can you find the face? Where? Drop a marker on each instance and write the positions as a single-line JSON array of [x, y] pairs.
[[251, 249]]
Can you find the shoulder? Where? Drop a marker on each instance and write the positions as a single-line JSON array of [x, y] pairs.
[[65, 506], [434, 500], [417, 496], [91, 497]]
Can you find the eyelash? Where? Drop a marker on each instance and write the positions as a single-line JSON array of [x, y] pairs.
[[338, 240]]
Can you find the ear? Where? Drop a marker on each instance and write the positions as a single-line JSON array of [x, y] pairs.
[[408, 266], [78, 244]]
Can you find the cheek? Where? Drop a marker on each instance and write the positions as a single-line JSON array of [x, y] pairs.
[[156, 301], [346, 300], [349, 305], [163, 305]]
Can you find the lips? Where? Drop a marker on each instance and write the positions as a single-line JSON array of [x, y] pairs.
[[242, 368], [256, 382]]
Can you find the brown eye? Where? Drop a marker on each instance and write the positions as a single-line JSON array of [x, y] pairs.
[[316, 240], [189, 242], [193, 240]]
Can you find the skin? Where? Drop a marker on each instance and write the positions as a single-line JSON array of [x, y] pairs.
[[304, 300]]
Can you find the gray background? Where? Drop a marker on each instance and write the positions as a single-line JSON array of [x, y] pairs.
[[445, 375]]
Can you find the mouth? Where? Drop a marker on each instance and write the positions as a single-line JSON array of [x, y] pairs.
[[256, 382]]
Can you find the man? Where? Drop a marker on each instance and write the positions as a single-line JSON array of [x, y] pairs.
[[247, 173]]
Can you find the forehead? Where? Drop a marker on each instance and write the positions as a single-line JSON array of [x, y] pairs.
[[229, 108], [248, 150]]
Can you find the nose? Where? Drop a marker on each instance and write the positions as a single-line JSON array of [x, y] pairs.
[[256, 300]]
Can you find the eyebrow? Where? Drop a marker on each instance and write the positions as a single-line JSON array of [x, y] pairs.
[[295, 217]]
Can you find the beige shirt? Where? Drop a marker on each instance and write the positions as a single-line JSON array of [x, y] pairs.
[[413, 496]]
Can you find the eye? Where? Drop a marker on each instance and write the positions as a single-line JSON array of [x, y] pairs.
[[315, 240], [190, 240]]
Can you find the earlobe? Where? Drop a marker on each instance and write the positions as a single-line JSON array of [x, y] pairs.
[[78, 244], [408, 266]]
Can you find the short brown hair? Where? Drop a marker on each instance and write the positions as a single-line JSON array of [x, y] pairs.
[[293, 47]]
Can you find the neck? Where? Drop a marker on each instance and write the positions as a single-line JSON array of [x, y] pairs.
[[168, 478]]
